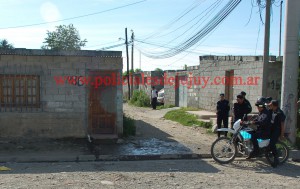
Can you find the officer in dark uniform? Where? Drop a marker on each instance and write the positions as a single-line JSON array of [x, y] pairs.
[[240, 108], [222, 113], [277, 129], [268, 102], [243, 93], [263, 125]]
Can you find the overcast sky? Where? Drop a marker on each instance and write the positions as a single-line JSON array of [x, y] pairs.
[[242, 32]]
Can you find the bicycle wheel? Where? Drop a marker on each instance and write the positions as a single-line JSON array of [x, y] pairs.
[[223, 150], [283, 153]]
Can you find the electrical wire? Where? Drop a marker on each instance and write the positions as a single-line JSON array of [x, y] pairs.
[[257, 38], [76, 17], [208, 12], [213, 23], [185, 12]]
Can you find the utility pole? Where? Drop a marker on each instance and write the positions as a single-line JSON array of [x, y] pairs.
[[132, 43], [266, 48], [280, 28], [127, 56], [289, 94], [140, 60]]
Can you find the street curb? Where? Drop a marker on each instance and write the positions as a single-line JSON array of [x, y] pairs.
[[155, 157], [294, 156], [90, 158]]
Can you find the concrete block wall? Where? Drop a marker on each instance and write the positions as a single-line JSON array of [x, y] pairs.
[[244, 67], [63, 110], [247, 70], [274, 80], [169, 89]]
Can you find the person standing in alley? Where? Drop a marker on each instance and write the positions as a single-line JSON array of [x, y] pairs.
[[153, 98], [222, 113]]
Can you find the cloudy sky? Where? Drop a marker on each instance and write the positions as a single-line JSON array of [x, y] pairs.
[[159, 25]]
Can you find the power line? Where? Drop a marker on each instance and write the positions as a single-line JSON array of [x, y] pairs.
[[76, 17], [188, 10], [111, 47], [207, 12], [257, 38], [101, 44], [213, 23]]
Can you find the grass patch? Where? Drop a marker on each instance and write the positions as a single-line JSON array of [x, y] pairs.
[[129, 128], [191, 109], [186, 119], [164, 107], [140, 99]]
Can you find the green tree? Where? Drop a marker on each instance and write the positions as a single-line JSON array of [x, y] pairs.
[[185, 67], [137, 70], [130, 71], [5, 45], [158, 70], [64, 38]]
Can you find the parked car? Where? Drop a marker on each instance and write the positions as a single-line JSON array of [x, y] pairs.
[[161, 96]]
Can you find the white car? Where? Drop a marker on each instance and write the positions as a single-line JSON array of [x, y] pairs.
[[161, 96]]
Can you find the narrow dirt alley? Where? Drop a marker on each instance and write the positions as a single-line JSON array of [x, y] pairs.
[[151, 125]]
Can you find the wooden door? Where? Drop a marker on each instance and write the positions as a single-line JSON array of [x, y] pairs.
[[102, 103]]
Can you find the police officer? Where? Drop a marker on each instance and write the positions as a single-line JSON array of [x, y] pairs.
[[277, 129], [222, 112], [243, 93], [240, 108], [263, 125], [268, 102]]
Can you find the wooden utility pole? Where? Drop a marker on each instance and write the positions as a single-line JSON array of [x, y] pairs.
[[289, 94], [266, 48], [132, 43], [127, 56]]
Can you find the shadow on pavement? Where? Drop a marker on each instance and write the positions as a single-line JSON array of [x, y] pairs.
[[166, 166]]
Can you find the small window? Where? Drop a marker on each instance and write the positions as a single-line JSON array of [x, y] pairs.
[[20, 91]]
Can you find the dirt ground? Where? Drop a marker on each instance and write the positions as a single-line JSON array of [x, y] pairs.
[[165, 174], [151, 124], [154, 135]]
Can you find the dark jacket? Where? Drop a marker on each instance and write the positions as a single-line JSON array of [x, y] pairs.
[[263, 121], [223, 108], [276, 118], [240, 110], [249, 105]]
